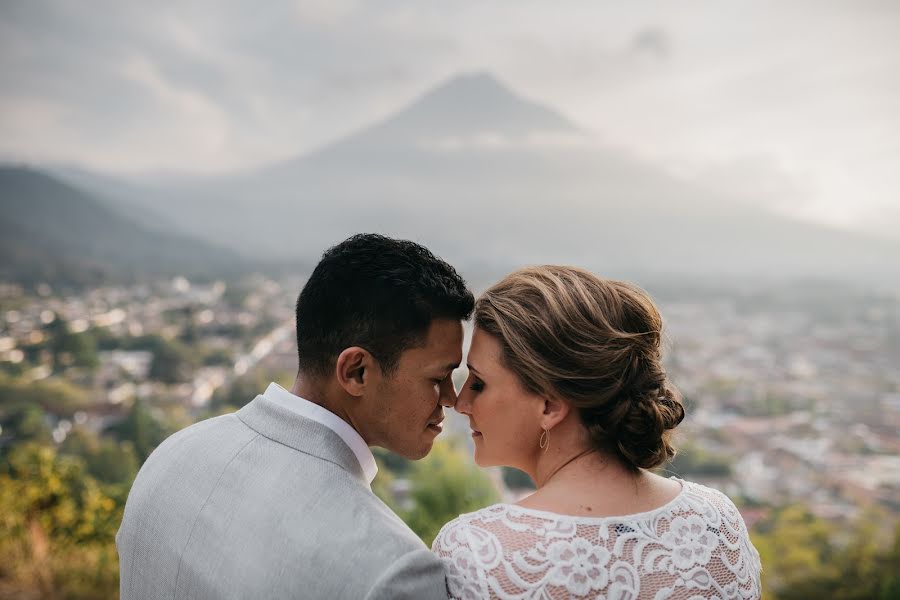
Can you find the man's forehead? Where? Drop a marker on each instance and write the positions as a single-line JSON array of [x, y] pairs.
[[441, 349], [433, 361], [444, 335]]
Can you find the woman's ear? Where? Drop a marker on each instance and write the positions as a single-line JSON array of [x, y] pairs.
[[353, 370], [555, 410]]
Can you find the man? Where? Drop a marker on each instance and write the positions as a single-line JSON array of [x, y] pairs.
[[274, 501]]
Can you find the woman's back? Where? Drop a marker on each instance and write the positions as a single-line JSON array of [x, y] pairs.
[[695, 546]]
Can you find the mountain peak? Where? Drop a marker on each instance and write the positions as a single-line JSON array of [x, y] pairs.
[[470, 104], [473, 87]]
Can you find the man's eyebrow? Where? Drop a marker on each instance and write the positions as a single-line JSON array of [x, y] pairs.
[[450, 367]]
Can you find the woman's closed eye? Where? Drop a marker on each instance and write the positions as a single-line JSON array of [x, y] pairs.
[[477, 385]]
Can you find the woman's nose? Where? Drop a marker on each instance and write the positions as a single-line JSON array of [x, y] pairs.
[[463, 403]]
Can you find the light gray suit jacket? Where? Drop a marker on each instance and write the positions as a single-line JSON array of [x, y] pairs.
[[265, 503]]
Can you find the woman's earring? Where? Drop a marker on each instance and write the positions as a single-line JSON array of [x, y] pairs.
[[544, 442]]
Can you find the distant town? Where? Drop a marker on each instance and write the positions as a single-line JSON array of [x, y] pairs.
[[792, 394]]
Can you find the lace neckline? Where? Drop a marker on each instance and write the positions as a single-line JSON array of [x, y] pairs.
[[549, 515]]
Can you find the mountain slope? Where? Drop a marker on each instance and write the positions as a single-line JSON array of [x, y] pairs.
[[490, 179], [52, 231]]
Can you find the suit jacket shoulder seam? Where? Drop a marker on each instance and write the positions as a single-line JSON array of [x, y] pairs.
[[205, 502]]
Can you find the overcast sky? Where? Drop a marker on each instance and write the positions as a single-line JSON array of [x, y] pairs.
[[800, 96]]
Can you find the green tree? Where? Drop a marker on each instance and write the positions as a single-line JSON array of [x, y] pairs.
[[71, 349], [516, 479], [805, 557], [22, 422], [444, 485], [172, 363], [107, 460], [54, 396], [144, 431], [692, 460], [217, 357], [56, 528], [794, 545], [244, 389], [394, 463], [381, 485]]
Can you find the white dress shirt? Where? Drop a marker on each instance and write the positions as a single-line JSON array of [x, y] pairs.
[[319, 414]]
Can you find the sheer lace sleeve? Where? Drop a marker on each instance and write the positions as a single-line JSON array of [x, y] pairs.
[[694, 547]]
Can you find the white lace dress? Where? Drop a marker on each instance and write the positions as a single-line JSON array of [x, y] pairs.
[[694, 547]]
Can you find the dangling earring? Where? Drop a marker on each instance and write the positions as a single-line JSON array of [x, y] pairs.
[[544, 442]]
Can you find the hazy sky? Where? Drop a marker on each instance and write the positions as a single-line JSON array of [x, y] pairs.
[[798, 99]]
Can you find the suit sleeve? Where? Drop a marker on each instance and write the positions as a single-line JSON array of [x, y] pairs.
[[417, 575]]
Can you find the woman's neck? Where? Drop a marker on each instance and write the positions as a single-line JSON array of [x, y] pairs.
[[579, 464], [585, 482]]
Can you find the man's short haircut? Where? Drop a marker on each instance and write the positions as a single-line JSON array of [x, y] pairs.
[[377, 293]]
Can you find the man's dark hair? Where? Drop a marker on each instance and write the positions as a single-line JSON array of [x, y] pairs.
[[377, 293]]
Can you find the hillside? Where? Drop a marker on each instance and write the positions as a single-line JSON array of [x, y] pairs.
[[53, 231]]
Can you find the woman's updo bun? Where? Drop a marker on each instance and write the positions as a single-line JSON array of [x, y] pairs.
[[595, 343]]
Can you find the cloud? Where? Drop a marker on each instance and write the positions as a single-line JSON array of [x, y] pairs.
[[652, 41], [209, 86], [325, 12]]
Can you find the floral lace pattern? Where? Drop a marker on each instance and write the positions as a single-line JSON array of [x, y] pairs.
[[695, 547]]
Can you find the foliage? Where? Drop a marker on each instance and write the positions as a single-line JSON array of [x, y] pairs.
[[71, 349], [217, 357], [106, 460], [516, 479], [244, 389], [443, 486], [22, 422], [381, 485], [141, 429], [55, 396], [693, 460], [806, 557], [56, 527], [393, 462], [172, 362]]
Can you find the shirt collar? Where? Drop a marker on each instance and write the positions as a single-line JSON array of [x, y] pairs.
[[322, 415]]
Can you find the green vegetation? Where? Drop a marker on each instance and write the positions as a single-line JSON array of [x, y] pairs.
[[172, 363], [692, 460], [61, 348], [106, 460], [516, 479], [141, 429], [807, 557], [57, 527], [54, 396], [244, 389], [444, 485]]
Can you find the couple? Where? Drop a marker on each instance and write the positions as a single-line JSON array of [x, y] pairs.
[[564, 382]]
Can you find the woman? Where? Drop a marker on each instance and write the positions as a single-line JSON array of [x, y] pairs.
[[565, 383]]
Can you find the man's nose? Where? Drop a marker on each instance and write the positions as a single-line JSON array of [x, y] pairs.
[[448, 393]]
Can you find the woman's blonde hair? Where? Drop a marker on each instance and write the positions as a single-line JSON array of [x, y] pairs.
[[594, 343]]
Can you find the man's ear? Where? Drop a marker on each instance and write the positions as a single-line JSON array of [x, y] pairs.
[[554, 411], [353, 369]]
